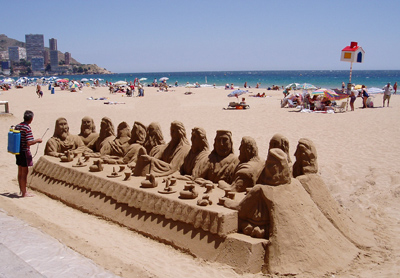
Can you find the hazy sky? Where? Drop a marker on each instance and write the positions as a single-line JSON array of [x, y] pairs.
[[156, 35]]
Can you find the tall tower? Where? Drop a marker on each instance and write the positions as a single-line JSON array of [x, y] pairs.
[[53, 44], [34, 46], [67, 58]]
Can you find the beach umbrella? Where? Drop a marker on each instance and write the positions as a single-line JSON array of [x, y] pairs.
[[163, 79], [375, 90], [62, 80], [319, 91], [84, 79], [120, 83], [74, 86], [143, 79], [329, 94], [307, 86], [293, 86], [237, 93]]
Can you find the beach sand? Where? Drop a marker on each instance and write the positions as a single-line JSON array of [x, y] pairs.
[[358, 157]]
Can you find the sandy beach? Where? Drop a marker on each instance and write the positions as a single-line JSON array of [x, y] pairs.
[[358, 157]]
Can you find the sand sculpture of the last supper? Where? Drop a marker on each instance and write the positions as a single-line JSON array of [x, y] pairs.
[[256, 215]]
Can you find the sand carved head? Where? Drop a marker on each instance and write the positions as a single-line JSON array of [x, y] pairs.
[[87, 126], [276, 170], [281, 142], [123, 130], [106, 128], [61, 129], [199, 140], [138, 134], [154, 137], [223, 144], [178, 133], [248, 149], [306, 158]]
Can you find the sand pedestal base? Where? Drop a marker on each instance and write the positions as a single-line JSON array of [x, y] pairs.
[[206, 232]]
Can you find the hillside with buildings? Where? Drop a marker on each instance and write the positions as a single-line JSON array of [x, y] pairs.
[[33, 58]]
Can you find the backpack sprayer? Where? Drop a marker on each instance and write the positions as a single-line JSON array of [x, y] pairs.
[[14, 141]]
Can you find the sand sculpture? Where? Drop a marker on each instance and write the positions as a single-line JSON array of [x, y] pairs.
[[119, 146], [107, 134], [168, 158], [301, 227], [194, 162], [88, 132], [222, 161], [306, 158], [249, 167], [307, 173], [63, 141], [154, 137], [135, 149]]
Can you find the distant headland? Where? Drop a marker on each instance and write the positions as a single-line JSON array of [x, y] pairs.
[[33, 58]]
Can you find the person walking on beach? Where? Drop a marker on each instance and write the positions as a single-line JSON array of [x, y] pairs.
[[365, 96], [24, 158], [386, 94], [395, 87], [352, 100], [39, 91]]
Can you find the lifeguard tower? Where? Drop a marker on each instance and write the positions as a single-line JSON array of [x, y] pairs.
[[353, 54]]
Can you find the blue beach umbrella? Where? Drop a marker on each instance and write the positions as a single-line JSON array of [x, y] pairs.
[[237, 93], [307, 86]]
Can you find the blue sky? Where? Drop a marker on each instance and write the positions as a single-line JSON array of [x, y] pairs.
[[155, 35]]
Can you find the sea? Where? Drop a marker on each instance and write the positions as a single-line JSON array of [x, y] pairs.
[[319, 78]]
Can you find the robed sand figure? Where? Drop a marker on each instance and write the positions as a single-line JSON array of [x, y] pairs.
[[88, 132], [248, 170], [154, 138], [222, 161], [196, 159], [107, 134], [135, 149], [169, 158], [305, 169], [63, 141], [119, 146]]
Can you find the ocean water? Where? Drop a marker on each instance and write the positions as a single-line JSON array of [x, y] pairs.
[[319, 78]]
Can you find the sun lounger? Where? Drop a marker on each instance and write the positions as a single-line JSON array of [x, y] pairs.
[[341, 108]]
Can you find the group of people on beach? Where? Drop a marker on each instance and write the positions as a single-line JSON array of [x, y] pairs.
[[322, 102]]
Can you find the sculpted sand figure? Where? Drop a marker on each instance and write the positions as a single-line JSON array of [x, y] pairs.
[[194, 162], [107, 134], [168, 158], [306, 158], [135, 149], [306, 171], [281, 142], [248, 170], [222, 161], [301, 237], [154, 138], [119, 146], [88, 132], [63, 141]]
